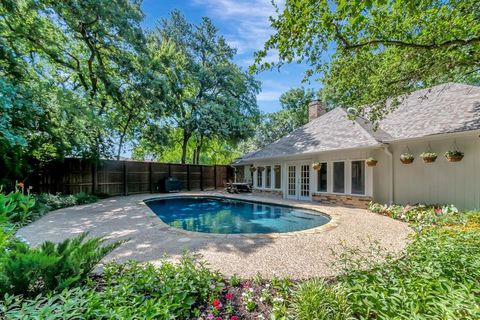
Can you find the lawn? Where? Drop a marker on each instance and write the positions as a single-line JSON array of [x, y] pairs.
[[436, 277]]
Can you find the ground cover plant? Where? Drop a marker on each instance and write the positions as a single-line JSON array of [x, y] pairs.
[[436, 277]]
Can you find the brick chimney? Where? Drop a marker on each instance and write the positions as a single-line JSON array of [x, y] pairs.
[[316, 108]]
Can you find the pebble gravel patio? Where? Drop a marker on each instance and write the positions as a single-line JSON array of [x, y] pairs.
[[297, 255]]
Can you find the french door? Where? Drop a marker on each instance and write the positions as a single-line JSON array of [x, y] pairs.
[[298, 182]]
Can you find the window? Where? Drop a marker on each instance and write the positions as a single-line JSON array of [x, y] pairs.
[[322, 178], [268, 176], [278, 177], [358, 177], [259, 178], [339, 177]]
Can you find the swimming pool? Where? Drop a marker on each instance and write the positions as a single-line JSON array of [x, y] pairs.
[[229, 216]]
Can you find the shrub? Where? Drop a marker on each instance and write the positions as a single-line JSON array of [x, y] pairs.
[[437, 277], [30, 271], [315, 300], [16, 206], [128, 291], [85, 198], [171, 289]]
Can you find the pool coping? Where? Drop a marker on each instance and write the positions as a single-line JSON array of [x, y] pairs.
[[314, 208]]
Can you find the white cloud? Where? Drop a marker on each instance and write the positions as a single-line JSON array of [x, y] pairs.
[[249, 20]]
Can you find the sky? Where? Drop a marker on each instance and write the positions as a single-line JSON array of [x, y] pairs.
[[245, 26]]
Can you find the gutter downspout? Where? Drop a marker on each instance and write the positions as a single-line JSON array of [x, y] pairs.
[[391, 181]]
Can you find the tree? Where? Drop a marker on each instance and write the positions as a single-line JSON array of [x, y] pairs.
[[89, 48], [370, 52], [208, 96], [275, 125]]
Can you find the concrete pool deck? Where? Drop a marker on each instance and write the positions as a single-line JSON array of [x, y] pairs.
[[295, 255]]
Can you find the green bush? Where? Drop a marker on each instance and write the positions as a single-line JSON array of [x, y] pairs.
[[85, 198], [16, 206], [46, 202], [128, 291], [31, 271], [437, 278], [315, 300]]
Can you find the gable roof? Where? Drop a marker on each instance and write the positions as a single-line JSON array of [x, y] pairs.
[[445, 108]]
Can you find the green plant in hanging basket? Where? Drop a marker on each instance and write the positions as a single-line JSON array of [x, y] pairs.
[[317, 166], [253, 169], [454, 155], [429, 157], [371, 162], [406, 158]]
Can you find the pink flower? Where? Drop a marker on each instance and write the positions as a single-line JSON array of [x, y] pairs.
[[217, 304], [219, 318], [438, 211], [233, 318], [246, 285], [229, 296], [210, 316]]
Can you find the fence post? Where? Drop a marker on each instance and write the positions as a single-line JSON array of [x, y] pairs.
[[215, 176], [94, 177], [150, 177], [169, 170], [201, 177], [188, 177], [125, 178]]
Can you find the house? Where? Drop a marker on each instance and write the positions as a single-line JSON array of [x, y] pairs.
[[437, 119]]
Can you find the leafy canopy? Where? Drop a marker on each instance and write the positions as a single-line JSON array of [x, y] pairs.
[[367, 52]]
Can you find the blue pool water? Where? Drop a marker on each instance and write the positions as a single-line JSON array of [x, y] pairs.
[[222, 215]]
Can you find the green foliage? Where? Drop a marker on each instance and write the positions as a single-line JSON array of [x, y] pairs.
[[16, 206], [46, 202], [316, 300], [420, 214], [436, 278], [129, 291], [210, 98], [31, 271], [293, 114], [368, 52]]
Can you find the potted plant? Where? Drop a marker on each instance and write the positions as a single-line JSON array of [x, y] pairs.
[[371, 162], [253, 169], [407, 158], [429, 157], [260, 169], [454, 155], [317, 166]]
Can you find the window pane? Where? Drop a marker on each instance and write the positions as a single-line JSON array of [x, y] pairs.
[[278, 177], [259, 178], [339, 177], [268, 176], [358, 177], [322, 178]]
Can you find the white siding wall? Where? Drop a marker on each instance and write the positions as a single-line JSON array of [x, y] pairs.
[[438, 182]]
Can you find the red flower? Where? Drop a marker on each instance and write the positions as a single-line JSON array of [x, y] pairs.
[[233, 318], [218, 318], [229, 296], [246, 285], [438, 211], [217, 304]]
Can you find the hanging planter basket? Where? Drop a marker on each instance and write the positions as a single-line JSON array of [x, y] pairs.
[[260, 169], [253, 169], [429, 157], [276, 169], [407, 158], [371, 162], [454, 155], [316, 166]]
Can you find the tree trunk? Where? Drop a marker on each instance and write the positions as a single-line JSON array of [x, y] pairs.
[[198, 149], [186, 137]]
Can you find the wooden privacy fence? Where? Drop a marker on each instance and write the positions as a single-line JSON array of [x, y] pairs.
[[114, 177]]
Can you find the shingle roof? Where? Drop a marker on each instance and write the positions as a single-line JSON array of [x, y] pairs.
[[451, 107], [446, 108], [332, 131]]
